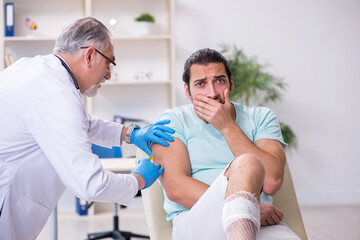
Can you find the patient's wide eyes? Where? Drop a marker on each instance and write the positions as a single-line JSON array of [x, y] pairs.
[[199, 84], [220, 81], [217, 81]]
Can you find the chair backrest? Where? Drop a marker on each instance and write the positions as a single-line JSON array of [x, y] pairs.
[[285, 199], [153, 201], [160, 229]]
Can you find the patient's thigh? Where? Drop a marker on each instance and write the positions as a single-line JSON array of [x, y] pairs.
[[203, 220], [276, 232]]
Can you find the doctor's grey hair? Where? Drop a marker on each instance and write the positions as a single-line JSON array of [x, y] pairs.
[[82, 33]]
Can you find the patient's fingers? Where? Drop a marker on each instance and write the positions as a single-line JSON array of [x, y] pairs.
[[203, 110], [201, 114], [206, 100], [275, 218], [279, 214], [204, 105]]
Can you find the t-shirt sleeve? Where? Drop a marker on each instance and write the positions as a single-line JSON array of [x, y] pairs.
[[267, 125], [176, 123]]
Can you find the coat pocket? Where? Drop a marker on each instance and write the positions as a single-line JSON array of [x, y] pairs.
[[29, 218]]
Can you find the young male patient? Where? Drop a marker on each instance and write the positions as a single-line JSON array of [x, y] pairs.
[[225, 159]]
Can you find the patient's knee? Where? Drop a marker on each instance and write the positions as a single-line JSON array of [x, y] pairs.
[[248, 162]]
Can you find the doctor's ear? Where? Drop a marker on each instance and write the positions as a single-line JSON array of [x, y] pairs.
[[89, 56]]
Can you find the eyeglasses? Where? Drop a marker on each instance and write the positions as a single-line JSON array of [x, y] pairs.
[[112, 63]]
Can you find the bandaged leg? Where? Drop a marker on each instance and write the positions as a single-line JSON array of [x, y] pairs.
[[241, 216]]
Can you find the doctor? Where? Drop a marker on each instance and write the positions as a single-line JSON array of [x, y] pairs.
[[46, 134]]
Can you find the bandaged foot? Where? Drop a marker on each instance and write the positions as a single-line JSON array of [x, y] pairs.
[[241, 216]]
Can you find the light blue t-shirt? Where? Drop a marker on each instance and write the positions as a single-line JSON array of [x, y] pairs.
[[208, 153]]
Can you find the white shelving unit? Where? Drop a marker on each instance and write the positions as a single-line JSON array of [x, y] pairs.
[[136, 56], [128, 93]]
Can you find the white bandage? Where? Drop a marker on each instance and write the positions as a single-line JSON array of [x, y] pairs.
[[241, 205]]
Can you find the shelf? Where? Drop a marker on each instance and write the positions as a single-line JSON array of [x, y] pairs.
[[148, 37], [133, 82], [28, 39], [118, 165], [117, 38]]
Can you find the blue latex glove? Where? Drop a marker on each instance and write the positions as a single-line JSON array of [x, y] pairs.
[[156, 132], [149, 171]]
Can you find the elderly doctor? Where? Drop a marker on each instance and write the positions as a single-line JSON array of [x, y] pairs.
[[46, 134]]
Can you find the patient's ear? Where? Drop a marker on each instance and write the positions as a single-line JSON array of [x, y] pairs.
[[187, 91], [232, 84]]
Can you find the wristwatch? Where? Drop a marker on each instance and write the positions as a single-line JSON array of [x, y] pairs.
[[129, 132]]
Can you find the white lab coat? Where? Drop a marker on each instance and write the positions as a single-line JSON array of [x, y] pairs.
[[45, 147]]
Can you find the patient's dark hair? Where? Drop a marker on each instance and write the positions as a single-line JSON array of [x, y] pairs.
[[205, 56]]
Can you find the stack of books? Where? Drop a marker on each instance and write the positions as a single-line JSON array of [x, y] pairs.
[[8, 60]]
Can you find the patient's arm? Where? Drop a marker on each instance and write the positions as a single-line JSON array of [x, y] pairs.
[[270, 215], [270, 152], [176, 180]]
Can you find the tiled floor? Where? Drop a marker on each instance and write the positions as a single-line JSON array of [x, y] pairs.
[[332, 222], [321, 223], [74, 227]]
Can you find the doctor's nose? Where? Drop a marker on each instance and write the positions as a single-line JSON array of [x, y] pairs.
[[108, 75]]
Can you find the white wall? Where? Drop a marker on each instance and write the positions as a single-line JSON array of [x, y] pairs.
[[315, 46]]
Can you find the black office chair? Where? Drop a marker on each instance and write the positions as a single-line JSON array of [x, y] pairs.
[[115, 233]]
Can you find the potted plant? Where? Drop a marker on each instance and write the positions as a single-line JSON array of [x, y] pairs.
[[145, 21], [253, 85]]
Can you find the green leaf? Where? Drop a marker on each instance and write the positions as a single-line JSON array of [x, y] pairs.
[[254, 85], [288, 135], [145, 17]]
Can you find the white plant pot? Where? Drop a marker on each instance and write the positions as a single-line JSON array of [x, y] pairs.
[[144, 28]]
